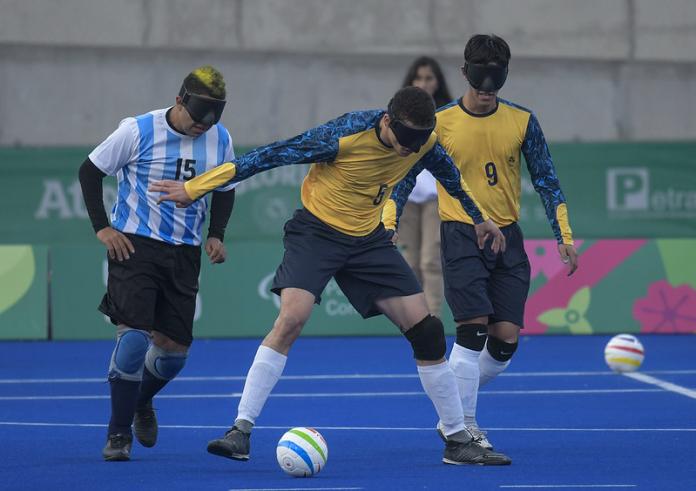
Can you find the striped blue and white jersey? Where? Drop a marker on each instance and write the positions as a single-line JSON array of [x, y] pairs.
[[146, 148]]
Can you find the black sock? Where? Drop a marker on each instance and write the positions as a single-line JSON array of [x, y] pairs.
[[150, 386], [124, 394]]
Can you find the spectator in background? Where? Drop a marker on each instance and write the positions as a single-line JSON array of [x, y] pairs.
[[419, 228]]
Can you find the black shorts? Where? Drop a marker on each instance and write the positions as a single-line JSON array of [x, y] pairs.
[[155, 289], [479, 283], [366, 268]]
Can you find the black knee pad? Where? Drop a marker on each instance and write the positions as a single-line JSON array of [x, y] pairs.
[[472, 336], [428, 339], [500, 350]]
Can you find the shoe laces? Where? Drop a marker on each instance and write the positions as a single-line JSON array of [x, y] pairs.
[[477, 432], [231, 431]]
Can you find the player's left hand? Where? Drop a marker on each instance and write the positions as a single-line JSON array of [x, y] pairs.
[[569, 256], [486, 230], [215, 250], [172, 191], [393, 235]]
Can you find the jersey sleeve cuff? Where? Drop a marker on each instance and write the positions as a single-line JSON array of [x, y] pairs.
[[389, 215], [208, 181]]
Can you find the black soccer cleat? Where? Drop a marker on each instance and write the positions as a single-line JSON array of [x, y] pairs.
[[118, 447], [234, 445], [480, 436], [145, 425], [471, 453]]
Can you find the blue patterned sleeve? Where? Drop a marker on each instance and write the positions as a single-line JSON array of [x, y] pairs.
[[403, 189], [441, 166], [316, 145], [543, 174]]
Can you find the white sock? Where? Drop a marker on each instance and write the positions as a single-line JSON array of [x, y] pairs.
[[489, 367], [465, 365], [263, 375], [441, 386]]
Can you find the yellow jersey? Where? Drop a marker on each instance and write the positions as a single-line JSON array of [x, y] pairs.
[[487, 150], [352, 174]]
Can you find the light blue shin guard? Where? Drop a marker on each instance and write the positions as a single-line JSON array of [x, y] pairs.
[[164, 365], [128, 358]]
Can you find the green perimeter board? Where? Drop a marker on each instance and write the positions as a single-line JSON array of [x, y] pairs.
[[23, 292], [613, 190], [234, 298]]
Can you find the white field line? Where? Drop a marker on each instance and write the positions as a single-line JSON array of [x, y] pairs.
[[565, 486], [662, 384], [291, 489], [347, 376], [299, 395], [357, 428]]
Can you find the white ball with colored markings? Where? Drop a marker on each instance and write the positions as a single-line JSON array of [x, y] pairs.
[[624, 353], [302, 452]]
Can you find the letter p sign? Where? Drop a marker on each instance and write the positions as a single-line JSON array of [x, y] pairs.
[[627, 189]]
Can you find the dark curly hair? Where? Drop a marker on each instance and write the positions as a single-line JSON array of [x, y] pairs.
[[487, 48], [413, 105]]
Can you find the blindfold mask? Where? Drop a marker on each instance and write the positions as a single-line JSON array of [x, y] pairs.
[[488, 78], [203, 110], [411, 138]]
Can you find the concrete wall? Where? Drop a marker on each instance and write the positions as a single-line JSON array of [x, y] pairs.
[[591, 69]]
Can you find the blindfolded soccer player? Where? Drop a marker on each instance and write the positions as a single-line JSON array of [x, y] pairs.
[[154, 251], [486, 292], [357, 159]]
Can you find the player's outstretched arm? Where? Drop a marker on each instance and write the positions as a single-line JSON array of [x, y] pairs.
[[183, 193], [319, 144], [545, 181]]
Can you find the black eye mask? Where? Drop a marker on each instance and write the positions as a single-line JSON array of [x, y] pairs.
[[411, 138], [488, 78], [203, 110]]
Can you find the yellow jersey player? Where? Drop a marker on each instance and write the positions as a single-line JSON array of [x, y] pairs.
[[487, 292], [357, 160]]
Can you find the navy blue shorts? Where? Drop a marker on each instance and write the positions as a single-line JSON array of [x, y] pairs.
[[366, 268], [479, 283]]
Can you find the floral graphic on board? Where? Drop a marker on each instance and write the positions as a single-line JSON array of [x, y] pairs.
[[573, 316], [667, 308]]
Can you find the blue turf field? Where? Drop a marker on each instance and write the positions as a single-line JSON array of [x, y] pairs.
[[564, 419]]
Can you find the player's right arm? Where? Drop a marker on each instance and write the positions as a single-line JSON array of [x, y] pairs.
[[394, 207], [319, 144], [110, 156]]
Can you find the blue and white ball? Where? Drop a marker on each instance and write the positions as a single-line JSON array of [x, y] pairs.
[[624, 353], [302, 452]]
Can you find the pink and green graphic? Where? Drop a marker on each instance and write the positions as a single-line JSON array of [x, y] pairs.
[[621, 286]]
